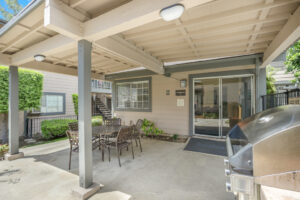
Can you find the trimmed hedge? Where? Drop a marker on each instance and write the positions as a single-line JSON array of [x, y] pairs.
[[54, 128], [30, 89]]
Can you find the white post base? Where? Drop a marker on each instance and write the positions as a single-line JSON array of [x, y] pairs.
[[85, 193], [10, 157]]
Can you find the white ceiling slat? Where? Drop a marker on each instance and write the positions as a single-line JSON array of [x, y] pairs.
[[43, 66], [284, 39], [24, 35], [262, 15], [208, 19], [186, 36]]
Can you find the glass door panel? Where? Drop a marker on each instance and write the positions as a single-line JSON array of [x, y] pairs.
[[236, 101], [206, 106]]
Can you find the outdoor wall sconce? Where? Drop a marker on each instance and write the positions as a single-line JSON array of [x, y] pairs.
[[172, 12], [183, 83], [39, 57]]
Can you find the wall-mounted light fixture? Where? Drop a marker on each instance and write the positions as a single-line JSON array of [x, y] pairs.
[[172, 12], [183, 83], [39, 57]]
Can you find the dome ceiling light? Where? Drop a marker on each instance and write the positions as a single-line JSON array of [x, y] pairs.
[[172, 12]]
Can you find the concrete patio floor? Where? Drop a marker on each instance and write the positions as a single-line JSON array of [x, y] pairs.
[[163, 171]]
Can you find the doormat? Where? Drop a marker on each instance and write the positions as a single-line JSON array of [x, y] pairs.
[[207, 146]]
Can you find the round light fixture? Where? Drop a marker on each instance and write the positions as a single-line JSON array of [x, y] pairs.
[[39, 57], [172, 12]]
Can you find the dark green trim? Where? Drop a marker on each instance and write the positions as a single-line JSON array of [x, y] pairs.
[[214, 64], [208, 75], [132, 80], [130, 74]]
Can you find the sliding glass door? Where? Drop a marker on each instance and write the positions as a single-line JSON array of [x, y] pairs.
[[220, 103]]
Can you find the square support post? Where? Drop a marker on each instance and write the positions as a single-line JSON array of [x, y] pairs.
[[84, 114], [260, 85], [13, 111]]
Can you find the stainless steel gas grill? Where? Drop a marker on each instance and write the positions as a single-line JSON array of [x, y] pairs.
[[264, 150]]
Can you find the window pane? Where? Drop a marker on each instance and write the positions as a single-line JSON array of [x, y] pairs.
[[132, 95], [52, 103]]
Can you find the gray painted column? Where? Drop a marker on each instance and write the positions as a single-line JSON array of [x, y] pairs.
[[13, 111], [260, 85], [84, 114]]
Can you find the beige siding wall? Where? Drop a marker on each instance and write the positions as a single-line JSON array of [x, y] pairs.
[[61, 83], [165, 113]]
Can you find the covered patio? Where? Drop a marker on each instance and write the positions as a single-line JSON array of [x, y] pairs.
[[100, 39], [162, 172]]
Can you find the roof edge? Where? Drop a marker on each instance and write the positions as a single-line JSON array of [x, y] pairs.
[[23, 13]]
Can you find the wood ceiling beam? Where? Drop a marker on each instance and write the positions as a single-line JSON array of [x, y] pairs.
[[43, 66], [51, 46], [262, 15], [24, 35], [118, 46], [284, 39], [5, 59]]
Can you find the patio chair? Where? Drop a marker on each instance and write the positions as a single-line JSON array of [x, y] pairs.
[[73, 136], [123, 140], [112, 122], [137, 133]]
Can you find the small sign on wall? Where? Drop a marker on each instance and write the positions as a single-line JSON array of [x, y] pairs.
[[180, 92], [180, 102]]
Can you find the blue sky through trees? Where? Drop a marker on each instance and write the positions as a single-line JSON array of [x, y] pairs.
[[23, 3]]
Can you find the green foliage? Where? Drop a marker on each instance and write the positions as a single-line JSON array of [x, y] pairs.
[[54, 128], [150, 129], [211, 115], [75, 103], [13, 9], [271, 89], [97, 121], [30, 89], [293, 61], [175, 136], [3, 148]]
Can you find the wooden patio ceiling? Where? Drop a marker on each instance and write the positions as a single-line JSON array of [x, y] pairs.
[[207, 29]]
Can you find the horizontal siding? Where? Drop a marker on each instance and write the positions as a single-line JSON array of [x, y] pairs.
[[61, 83]]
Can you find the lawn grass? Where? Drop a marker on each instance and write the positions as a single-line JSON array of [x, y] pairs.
[[45, 142]]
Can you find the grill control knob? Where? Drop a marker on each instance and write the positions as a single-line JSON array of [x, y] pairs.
[[228, 187], [227, 172], [226, 162]]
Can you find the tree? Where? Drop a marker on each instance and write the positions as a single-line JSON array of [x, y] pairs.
[[293, 61], [13, 8], [271, 89]]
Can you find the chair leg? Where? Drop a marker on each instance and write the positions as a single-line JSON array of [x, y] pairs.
[[70, 156], [136, 141], [132, 150], [127, 148], [108, 154], [140, 144], [118, 152], [102, 153]]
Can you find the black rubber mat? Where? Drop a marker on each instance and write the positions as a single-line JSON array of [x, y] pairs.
[[207, 146]]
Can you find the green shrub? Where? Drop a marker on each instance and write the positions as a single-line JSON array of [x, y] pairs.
[[30, 89], [97, 121], [55, 127], [75, 103], [149, 128]]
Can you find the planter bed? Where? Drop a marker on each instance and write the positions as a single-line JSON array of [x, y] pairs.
[[167, 137]]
